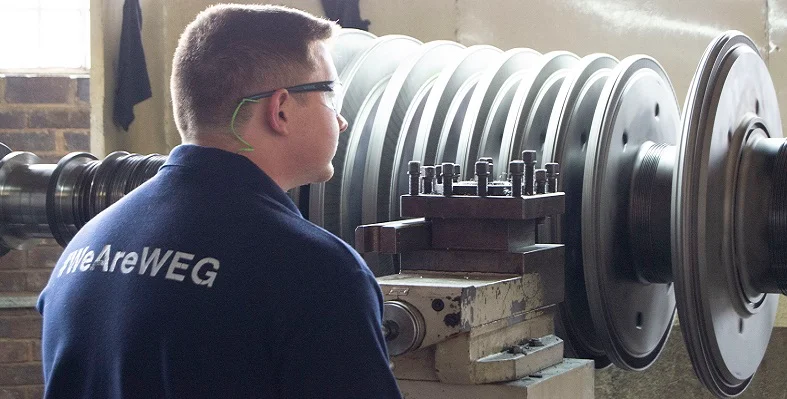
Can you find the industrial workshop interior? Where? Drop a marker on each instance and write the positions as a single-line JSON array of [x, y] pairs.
[[558, 199]]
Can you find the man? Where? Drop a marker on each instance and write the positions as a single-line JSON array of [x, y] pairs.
[[206, 281]]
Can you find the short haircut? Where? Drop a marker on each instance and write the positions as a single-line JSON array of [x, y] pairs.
[[230, 51]]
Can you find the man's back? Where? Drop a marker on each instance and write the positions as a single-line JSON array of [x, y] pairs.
[[206, 282]]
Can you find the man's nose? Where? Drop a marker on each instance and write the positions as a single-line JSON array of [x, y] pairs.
[[342, 123]]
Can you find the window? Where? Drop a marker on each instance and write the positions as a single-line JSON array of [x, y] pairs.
[[44, 35]]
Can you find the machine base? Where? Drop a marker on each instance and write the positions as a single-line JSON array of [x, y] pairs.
[[572, 378]]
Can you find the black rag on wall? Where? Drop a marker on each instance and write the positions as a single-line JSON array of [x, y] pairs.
[[347, 12], [133, 83]]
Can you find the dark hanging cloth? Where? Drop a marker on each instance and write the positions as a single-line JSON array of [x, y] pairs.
[[133, 84], [347, 12]]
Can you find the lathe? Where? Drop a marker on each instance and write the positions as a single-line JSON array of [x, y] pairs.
[[503, 278]]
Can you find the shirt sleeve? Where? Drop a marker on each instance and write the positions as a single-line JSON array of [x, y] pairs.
[[335, 348]]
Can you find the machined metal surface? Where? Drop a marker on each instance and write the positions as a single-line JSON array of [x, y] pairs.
[[23, 199], [391, 141], [492, 133], [525, 126], [451, 79], [726, 329], [63, 187], [483, 96], [360, 77], [39, 200], [352, 176], [567, 136], [632, 320], [347, 44], [403, 326]]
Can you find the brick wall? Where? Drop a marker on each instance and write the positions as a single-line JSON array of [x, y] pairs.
[[49, 116]]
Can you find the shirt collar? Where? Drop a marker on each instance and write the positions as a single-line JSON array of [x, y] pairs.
[[229, 167]]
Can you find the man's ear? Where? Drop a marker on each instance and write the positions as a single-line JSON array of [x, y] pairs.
[[277, 112]]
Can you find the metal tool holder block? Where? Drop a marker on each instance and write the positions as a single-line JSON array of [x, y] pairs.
[[475, 300]]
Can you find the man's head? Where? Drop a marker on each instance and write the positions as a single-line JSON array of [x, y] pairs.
[[231, 52]]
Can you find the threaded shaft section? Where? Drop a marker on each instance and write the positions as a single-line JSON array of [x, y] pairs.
[[127, 173], [648, 225], [777, 231]]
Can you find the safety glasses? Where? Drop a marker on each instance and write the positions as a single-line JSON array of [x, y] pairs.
[[333, 88]]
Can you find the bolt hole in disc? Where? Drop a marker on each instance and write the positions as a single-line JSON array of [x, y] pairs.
[[632, 319], [726, 326]]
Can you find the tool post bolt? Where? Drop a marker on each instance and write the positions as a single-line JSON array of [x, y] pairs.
[[428, 179], [541, 181], [529, 158], [448, 179], [482, 177], [553, 171], [491, 167], [414, 171], [517, 170]]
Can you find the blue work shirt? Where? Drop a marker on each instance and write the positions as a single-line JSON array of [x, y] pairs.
[[206, 282]]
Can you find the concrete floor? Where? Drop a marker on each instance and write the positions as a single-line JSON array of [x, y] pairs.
[[672, 376]]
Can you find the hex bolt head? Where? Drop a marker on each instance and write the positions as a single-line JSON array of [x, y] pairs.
[[429, 171], [553, 169], [448, 169], [428, 179], [482, 177], [482, 168], [414, 168], [541, 181], [516, 168], [529, 157], [448, 179]]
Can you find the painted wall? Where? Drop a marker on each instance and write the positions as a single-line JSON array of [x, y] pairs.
[[674, 33]]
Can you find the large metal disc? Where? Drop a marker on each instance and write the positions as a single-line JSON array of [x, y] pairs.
[[365, 72], [492, 134], [567, 136], [404, 151], [347, 44], [409, 82], [471, 62], [637, 107], [528, 118], [451, 131], [726, 341], [355, 162], [481, 100]]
